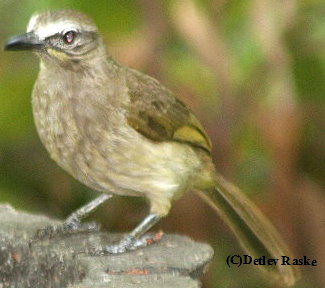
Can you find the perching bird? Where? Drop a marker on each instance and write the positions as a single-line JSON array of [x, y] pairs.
[[119, 131]]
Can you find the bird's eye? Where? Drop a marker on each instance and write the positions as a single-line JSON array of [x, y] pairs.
[[69, 37]]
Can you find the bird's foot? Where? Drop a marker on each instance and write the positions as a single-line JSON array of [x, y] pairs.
[[129, 243], [70, 226]]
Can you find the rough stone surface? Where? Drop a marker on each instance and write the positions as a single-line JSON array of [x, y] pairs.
[[65, 261]]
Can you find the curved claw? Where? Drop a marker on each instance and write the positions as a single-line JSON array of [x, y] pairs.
[[126, 244], [129, 243], [67, 227]]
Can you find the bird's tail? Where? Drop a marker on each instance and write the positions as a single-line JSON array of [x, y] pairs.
[[254, 231]]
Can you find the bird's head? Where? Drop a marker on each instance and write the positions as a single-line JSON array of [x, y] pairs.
[[59, 36]]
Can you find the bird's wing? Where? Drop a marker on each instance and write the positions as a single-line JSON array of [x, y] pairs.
[[158, 115]]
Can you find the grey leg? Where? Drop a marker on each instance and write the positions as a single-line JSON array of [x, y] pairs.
[[73, 222], [75, 218], [136, 239], [145, 225]]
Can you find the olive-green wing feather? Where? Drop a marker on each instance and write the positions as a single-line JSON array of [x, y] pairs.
[[158, 115]]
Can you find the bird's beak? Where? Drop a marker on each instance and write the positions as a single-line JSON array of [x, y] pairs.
[[27, 41]]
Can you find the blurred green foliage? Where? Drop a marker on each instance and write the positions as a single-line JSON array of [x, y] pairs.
[[255, 161]]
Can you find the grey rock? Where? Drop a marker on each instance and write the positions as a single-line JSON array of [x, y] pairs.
[[65, 259]]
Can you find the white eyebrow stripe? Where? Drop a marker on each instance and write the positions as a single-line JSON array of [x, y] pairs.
[[32, 22], [54, 28]]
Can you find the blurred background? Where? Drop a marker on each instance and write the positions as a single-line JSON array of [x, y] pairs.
[[253, 72]]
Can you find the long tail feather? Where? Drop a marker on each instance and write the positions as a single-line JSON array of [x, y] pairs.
[[254, 231]]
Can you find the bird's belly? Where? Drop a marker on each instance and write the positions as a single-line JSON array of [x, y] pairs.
[[122, 162], [131, 165]]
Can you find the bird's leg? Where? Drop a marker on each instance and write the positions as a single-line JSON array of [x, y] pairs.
[[73, 222], [136, 239]]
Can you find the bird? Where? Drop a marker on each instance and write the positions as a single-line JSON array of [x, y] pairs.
[[121, 132]]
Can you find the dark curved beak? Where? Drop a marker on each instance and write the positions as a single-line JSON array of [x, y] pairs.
[[27, 41]]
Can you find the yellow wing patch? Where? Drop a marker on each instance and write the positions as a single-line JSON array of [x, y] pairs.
[[191, 134]]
